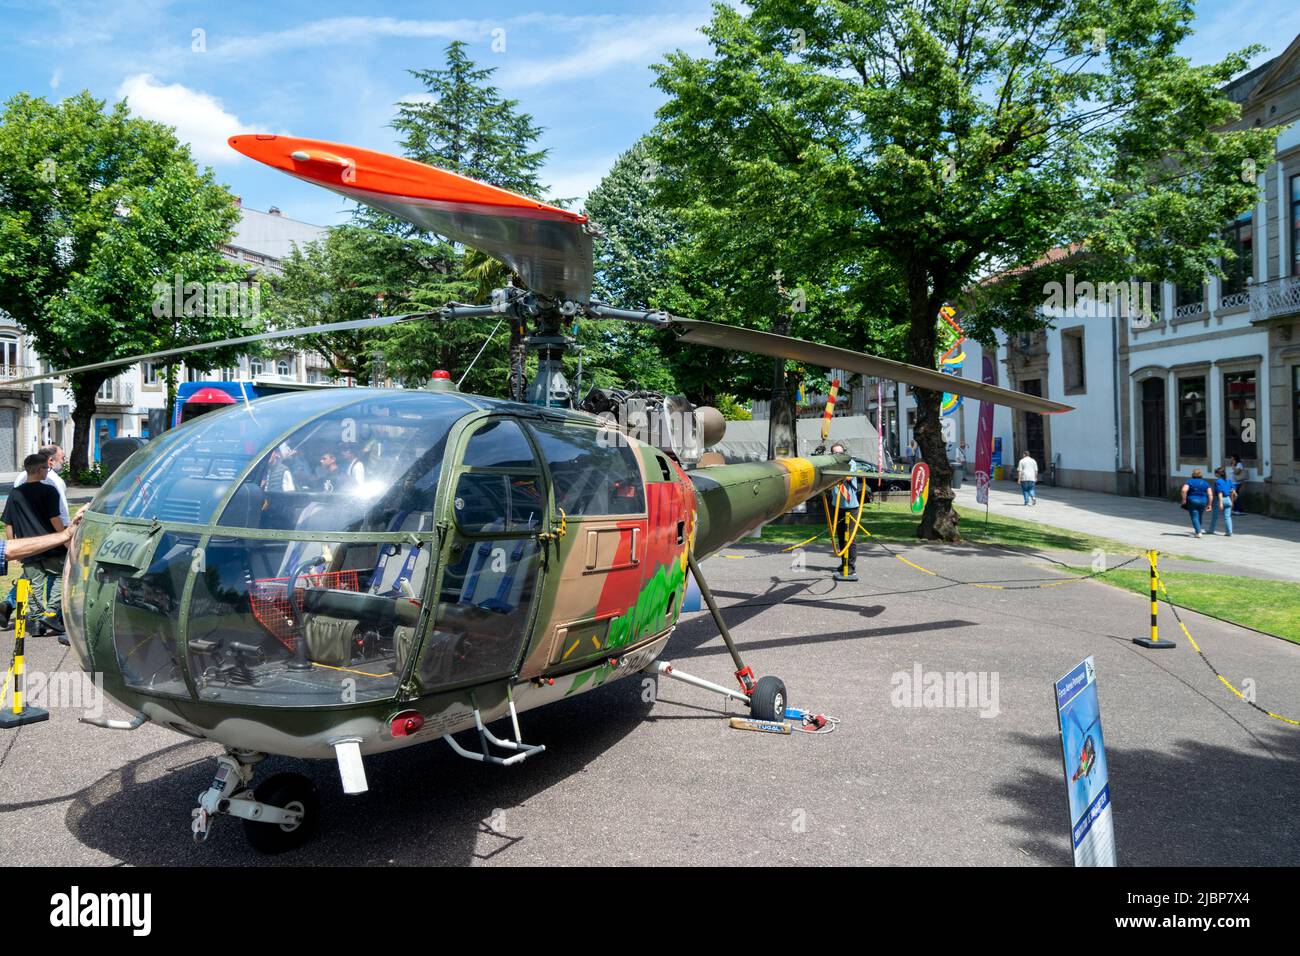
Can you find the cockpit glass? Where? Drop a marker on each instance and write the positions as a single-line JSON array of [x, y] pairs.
[[372, 465], [184, 477]]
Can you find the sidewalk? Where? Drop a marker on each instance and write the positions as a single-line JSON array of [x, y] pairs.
[[1268, 545]]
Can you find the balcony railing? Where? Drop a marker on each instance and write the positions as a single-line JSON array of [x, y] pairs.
[[15, 371], [1275, 297], [1189, 310]]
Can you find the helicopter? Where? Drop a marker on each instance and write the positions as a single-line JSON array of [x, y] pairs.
[[339, 573]]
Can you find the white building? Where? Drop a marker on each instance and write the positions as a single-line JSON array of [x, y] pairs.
[[262, 241]]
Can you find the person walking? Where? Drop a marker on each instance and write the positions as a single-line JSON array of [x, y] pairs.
[[959, 466], [1239, 477], [1196, 499], [1027, 473], [1225, 495], [913, 452]]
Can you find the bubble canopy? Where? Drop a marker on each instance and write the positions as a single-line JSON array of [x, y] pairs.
[[298, 542], [340, 461]]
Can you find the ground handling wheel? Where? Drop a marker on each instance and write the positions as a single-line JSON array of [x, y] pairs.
[[288, 791], [767, 702]]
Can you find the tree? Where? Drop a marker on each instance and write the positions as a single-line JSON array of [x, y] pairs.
[[462, 123], [924, 144], [102, 218]]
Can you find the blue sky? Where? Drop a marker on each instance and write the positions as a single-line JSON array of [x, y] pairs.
[[333, 70]]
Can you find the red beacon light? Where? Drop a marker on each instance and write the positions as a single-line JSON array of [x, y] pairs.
[[441, 381]]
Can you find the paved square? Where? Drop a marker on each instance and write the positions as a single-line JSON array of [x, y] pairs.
[[1197, 776]]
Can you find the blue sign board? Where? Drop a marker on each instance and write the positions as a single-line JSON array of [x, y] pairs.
[[1087, 775]]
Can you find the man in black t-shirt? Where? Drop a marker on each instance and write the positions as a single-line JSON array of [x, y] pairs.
[[32, 511]]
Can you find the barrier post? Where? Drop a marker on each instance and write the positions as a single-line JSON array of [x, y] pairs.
[[20, 715], [1154, 642]]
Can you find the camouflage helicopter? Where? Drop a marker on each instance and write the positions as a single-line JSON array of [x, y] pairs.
[[454, 560]]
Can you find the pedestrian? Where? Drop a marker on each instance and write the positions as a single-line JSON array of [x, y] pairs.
[[20, 549], [846, 496], [959, 470], [913, 452], [1196, 499], [1224, 497], [1239, 477], [32, 511], [1027, 473], [57, 459]]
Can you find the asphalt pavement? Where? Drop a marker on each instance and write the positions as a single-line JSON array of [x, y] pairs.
[[638, 775]]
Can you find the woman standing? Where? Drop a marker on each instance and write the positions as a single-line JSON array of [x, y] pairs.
[[1196, 499], [1225, 495]]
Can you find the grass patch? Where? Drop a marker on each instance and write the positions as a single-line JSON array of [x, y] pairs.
[[1270, 606], [894, 523]]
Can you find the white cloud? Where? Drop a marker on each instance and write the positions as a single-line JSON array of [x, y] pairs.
[[577, 180], [344, 30], [56, 78], [609, 43], [198, 117]]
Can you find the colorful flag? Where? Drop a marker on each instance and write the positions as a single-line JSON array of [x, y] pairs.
[[984, 438]]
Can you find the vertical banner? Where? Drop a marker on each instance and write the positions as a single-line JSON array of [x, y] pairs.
[[1087, 776], [880, 426], [984, 439], [830, 409]]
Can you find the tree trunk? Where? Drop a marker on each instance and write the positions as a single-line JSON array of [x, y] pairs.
[[85, 388], [940, 521]]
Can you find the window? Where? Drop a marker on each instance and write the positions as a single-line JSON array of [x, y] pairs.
[[1295, 225], [196, 375], [1237, 273], [1240, 421], [230, 374], [1072, 360], [1295, 412], [255, 367], [150, 373], [9, 355], [594, 472], [1188, 300], [105, 393], [1191, 418], [282, 368]]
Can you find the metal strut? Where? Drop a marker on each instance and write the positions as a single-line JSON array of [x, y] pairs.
[[743, 673], [485, 737]]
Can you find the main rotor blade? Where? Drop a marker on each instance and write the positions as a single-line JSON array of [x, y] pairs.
[[374, 322], [828, 356], [548, 247]]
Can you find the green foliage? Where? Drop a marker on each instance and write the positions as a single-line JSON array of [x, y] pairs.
[[889, 153], [465, 125], [91, 477], [96, 207], [732, 410]]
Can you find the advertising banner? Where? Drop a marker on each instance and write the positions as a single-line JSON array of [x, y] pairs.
[[984, 439], [1087, 776]]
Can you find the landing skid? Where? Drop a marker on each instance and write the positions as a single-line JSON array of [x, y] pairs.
[[485, 737]]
